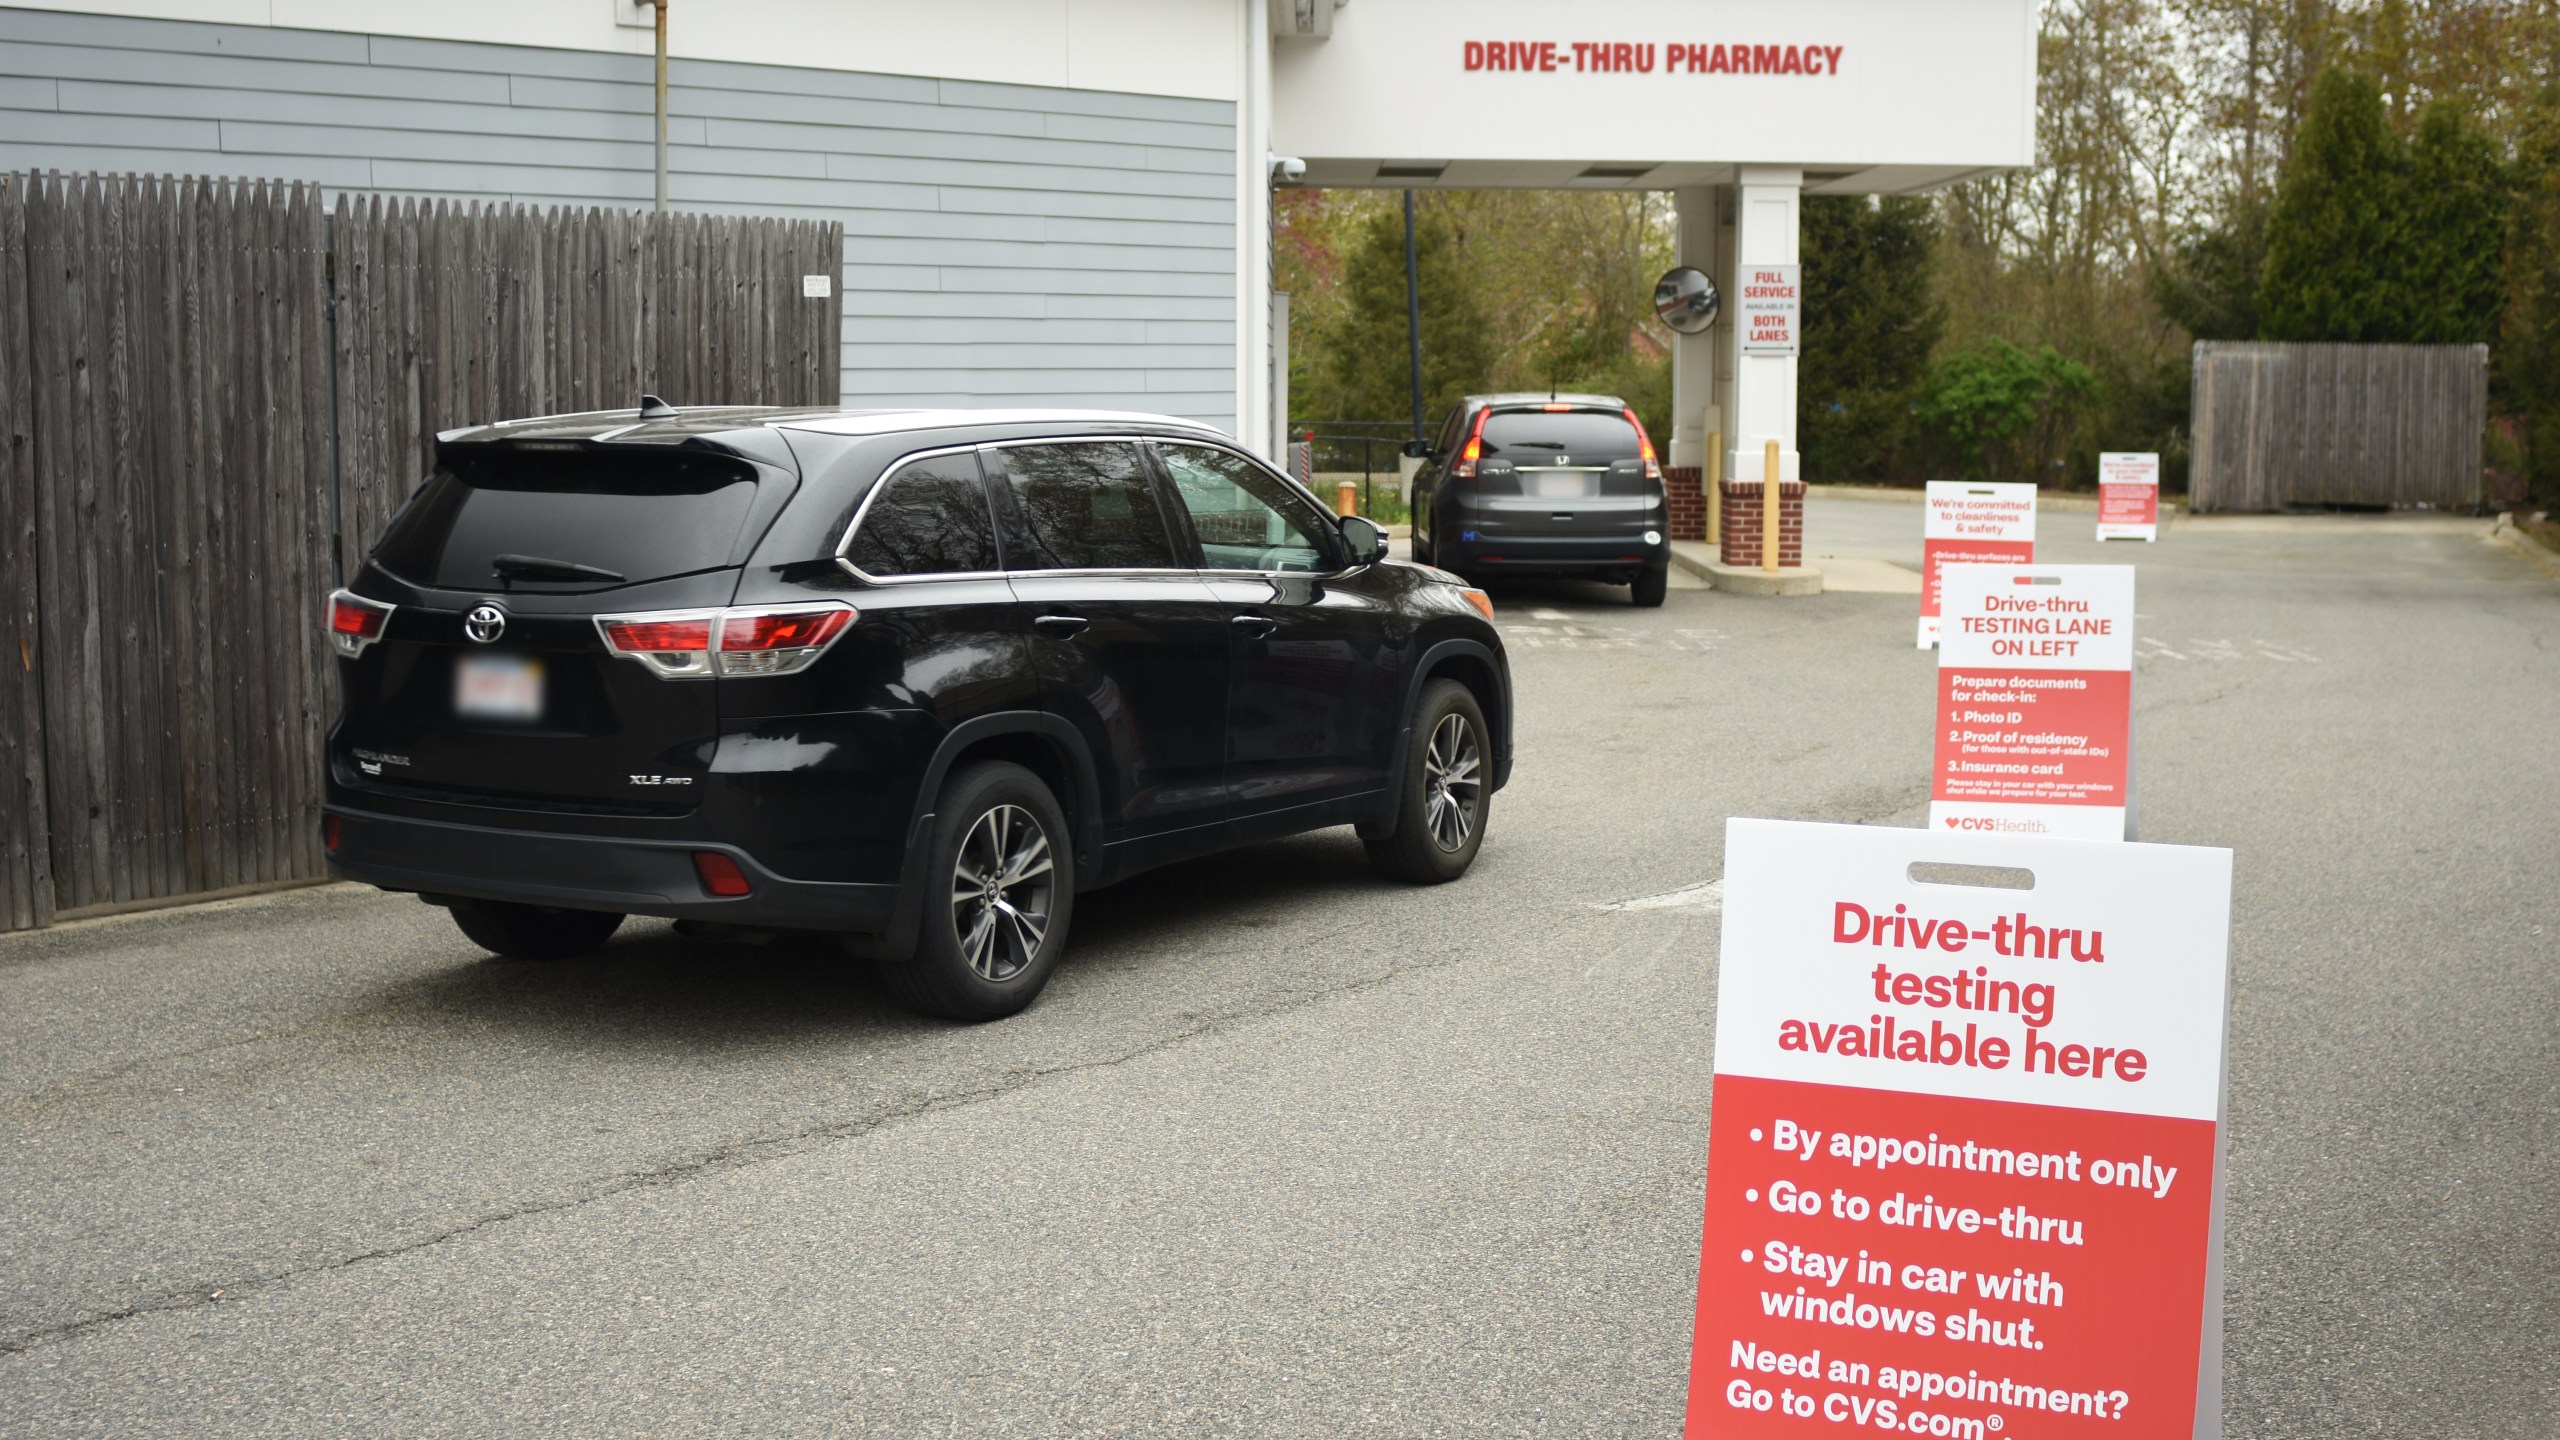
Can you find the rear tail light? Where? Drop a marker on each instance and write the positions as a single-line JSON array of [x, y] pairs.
[[693, 644], [329, 833], [777, 643], [1644, 447], [355, 622], [1465, 469], [720, 874]]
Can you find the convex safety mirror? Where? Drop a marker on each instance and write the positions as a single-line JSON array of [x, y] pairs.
[[1687, 300]]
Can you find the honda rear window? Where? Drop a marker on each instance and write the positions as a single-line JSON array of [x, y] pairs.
[[1587, 437], [589, 517]]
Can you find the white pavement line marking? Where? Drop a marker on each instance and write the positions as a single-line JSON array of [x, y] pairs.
[[1548, 615], [1709, 897]]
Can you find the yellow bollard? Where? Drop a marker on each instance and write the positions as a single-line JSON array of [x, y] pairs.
[[1715, 493], [1346, 500], [1769, 509]]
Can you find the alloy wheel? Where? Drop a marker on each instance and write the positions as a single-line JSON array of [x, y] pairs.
[[1453, 786], [1002, 886]]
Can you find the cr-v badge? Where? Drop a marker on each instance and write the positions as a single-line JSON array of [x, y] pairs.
[[485, 623]]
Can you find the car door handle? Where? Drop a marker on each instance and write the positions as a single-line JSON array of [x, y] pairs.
[[1256, 626], [1062, 625]]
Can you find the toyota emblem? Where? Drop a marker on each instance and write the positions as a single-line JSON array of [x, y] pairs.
[[485, 623]]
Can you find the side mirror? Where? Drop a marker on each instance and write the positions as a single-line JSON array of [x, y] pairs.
[[1416, 449], [1366, 538]]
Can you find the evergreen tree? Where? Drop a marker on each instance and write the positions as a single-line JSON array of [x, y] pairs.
[[1366, 360], [2453, 215], [2331, 267], [1871, 317], [2528, 359], [2209, 287]]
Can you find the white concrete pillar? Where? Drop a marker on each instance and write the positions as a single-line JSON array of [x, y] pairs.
[[1766, 199], [1256, 426], [1696, 411]]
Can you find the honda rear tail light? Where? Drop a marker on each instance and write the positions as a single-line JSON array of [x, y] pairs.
[[1465, 469], [355, 622], [693, 644], [1644, 447]]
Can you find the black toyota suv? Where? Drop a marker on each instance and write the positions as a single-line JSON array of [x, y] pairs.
[[915, 677], [1544, 484]]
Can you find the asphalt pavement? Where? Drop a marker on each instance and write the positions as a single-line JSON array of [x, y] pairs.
[[1288, 1150]]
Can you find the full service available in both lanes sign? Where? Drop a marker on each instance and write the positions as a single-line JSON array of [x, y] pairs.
[[1772, 309], [2035, 701], [1963, 1171], [1966, 524]]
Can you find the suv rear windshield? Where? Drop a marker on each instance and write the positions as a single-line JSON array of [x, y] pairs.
[[1589, 436], [632, 515]]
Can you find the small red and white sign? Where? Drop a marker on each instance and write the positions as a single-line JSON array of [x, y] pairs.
[[1964, 1163], [1771, 308], [2035, 702], [1967, 524], [2128, 495]]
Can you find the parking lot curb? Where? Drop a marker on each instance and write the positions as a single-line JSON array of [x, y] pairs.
[[1692, 556], [2506, 532]]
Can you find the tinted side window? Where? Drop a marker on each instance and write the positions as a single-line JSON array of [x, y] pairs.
[[1246, 520], [1449, 432], [1590, 436], [929, 518], [1086, 506]]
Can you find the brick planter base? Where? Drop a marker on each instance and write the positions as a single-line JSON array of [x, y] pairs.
[[1742, 523], [1684, 489]]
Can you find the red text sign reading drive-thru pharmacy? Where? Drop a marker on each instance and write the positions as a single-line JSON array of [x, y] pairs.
[[2128, 495], [1963, 1168], [1971, 524], [2035, 702]]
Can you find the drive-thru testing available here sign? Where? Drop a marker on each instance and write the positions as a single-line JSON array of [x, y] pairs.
[[1964, 1167], [1971, 524], [2035, 702], [2128, 495]]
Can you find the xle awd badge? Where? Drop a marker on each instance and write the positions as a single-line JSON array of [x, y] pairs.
[[485, 623]]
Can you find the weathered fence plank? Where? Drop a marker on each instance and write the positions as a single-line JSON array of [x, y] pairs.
[[212, 397], [2314, 424], [26, 869]]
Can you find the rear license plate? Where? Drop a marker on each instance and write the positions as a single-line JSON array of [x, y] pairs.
[[1559, 484], [498, 687]]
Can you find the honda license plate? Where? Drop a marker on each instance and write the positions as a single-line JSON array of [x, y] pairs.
[[498, 687]]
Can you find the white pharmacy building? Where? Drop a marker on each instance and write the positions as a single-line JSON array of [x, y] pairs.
[[1062, 201]]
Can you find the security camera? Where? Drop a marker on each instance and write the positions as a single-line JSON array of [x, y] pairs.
[[1287, 169]]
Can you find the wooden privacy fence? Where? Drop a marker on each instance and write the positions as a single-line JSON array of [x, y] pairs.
[[212, 394], [2311, 424]]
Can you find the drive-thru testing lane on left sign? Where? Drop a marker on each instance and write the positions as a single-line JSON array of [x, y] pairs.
[[2035, 701], [1964, 1157]]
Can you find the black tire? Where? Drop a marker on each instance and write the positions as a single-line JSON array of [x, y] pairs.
[[533, 932], [1651, 586], [1446, 795], [996, 964]]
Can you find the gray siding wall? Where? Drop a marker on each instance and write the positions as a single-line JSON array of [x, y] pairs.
[[1004, 244]]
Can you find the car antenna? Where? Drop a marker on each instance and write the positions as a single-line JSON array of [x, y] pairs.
[[653, 408]]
